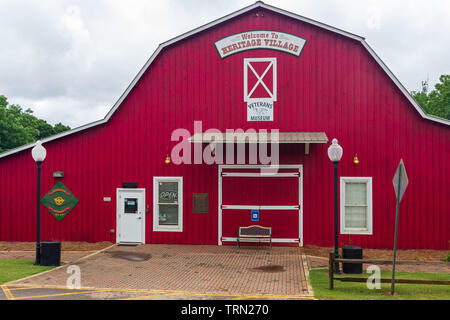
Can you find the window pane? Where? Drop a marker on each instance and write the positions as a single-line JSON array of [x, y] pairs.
[[355, 194], [168, 215], [356, 217], [131, 205], [168, 192]]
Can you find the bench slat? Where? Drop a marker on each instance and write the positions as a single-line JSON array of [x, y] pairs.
[[255, 233]]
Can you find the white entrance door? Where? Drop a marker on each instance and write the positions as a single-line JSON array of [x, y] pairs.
[[130, 215]]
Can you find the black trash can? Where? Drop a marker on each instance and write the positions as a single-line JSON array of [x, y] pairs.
[[352, 252], [50, 253]]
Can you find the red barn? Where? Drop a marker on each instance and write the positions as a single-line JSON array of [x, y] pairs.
[[268, 75]]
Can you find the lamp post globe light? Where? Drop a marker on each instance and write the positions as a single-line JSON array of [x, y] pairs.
[[335, 153], [39, 153]]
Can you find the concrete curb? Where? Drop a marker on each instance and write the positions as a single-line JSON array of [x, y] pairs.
[[306, 270]]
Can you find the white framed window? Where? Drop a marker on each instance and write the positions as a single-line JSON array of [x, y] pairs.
[[356, 205], [168, 204]]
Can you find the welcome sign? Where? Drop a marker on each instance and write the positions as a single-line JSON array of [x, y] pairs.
[[260, 39]]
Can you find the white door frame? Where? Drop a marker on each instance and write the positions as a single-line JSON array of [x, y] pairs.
[[118, 229], [261, 174]]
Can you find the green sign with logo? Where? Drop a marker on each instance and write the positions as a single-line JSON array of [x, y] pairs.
[[59, 201]]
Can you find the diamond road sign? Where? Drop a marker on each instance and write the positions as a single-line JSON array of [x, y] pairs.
[[401, 171], [59, 201]]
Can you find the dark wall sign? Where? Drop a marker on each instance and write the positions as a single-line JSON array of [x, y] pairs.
[[129, 185], [201, 203]]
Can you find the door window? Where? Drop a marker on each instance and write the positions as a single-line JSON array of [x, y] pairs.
[[131, 205]]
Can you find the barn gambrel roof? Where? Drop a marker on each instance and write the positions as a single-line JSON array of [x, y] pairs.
[[258, 4]]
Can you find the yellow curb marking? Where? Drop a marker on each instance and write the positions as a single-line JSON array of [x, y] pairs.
[[93, 289], [155, 292], [152, 296], [7, 293], [59, 294], [274, 297], [243, 298]]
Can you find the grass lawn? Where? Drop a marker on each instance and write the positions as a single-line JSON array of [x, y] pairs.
[[16, 269], [359, 291]]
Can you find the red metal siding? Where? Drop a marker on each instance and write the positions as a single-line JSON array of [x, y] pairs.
[[334, 86]]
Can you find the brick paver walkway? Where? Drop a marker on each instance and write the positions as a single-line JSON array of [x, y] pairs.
[[206, 269]]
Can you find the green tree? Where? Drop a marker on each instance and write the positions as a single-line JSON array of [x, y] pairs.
[[436, 102], [19, 127], [59, 127]]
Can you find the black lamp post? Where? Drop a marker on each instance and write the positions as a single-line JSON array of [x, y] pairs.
[[39, 153], [335, 154]]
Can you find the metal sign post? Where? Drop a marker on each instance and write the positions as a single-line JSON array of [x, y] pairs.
[[400, 182]]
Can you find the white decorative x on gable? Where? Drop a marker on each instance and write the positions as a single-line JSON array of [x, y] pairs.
[[260, 88]]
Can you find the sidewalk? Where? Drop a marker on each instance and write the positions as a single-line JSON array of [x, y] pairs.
[[190, 269]]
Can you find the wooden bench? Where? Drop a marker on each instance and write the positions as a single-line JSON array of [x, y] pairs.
[[254, 234]]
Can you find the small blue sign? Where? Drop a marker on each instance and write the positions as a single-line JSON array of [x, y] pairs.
[[255, 215]]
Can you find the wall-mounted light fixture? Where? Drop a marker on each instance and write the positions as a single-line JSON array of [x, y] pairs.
[[212, 147], [356, 160], [167, 159]]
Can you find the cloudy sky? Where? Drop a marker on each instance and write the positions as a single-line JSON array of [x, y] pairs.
[[70, 60]]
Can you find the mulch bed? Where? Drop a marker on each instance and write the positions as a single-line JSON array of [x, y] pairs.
[[65, 246], [317, 258], [417, 255]]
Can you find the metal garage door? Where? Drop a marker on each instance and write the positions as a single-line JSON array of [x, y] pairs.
[[277, 198]]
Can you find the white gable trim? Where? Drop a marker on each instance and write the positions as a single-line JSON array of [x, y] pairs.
[[258, 4]]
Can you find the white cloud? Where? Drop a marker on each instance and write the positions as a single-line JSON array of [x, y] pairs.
[[71, 60]]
